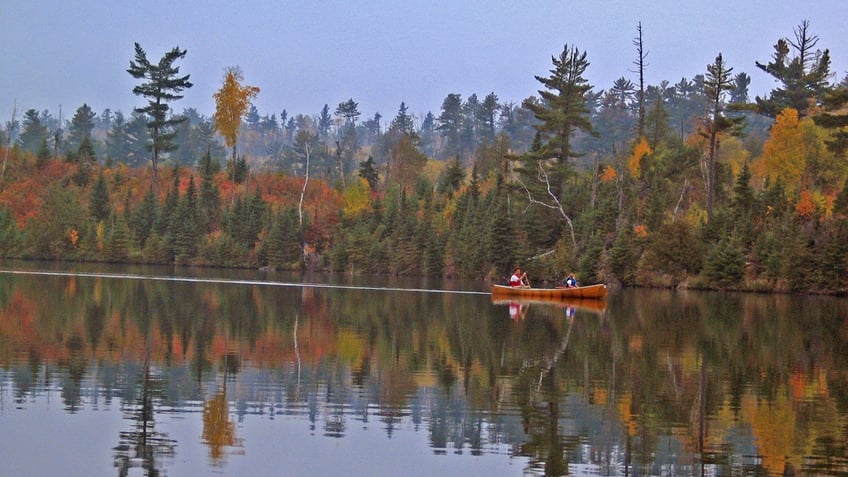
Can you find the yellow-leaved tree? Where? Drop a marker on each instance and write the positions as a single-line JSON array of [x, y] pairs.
[[634, 162], [796, 155], [231, 103]]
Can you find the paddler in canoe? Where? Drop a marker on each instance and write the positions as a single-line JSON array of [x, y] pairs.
[[519, 279]]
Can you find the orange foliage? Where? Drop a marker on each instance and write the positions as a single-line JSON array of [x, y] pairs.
[[608, 175], [73, 236], [634, 162], [805, 206], [641, 231]]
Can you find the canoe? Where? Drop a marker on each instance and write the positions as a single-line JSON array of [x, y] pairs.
[[597, 292]]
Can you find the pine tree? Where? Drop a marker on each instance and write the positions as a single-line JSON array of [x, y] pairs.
[[717, 84], [804, 76], [161, 85], [564, 110]]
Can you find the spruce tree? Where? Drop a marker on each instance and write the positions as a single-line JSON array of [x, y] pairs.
[[145, 219], [210, 196], [98, 204]]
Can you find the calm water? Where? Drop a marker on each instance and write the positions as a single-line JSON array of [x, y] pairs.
[[122, 371]]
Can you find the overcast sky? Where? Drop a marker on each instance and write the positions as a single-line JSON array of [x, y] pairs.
[[302, 55]]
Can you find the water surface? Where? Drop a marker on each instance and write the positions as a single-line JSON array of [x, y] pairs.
[[125, 371]]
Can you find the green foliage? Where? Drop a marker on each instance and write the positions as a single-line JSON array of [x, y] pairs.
[[209, 214], [500, 237], [98, 204], [368, 172], [117, 247], [282, 248], [724, 265], [803, 76], [563, 111], [43, 155], [245, 220], [675, 249], [589, 266], [241, 169], [833, 255], [452, 178], [183, 232], [56, 232], [624, 257], [160, 85], [144, 219], [10, 236]]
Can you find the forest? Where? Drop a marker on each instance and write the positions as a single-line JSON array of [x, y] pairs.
[[688, 184]]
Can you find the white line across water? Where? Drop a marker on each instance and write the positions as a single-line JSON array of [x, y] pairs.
[[234, 282]]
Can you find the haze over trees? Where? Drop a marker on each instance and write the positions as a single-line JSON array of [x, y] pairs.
[[687, 182]]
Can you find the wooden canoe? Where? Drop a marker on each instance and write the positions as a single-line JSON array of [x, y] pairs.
[[597, 292]]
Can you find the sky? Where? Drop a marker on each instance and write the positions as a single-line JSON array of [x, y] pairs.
[[59, 54]]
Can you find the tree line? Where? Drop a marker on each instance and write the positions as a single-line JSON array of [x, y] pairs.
[[692, 183]]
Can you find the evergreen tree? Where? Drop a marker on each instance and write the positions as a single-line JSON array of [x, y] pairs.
[[80, 127], [833, 257], [623, 257], [169, 207], [118, 244], [403, 121], [834, 118], [183, 234], [10, 235], [743, 206], [450, 125], [486, 117], [43, 154], [716, 84], [804, 76], [33, 132], [724, 265], [452, 178], [145, 219], [210, 196], [325, 122], [500, 244], [563, 111], [282, 247], [160, 86], [427, 135], [117, 139], [369, 173], [98, 204]]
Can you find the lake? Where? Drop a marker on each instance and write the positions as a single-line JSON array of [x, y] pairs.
[[108, 370]]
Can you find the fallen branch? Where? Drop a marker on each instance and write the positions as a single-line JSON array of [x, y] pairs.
[[557, 205]]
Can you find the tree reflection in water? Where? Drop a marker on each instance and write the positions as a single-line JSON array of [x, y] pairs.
[[660, 383], [143, 446]]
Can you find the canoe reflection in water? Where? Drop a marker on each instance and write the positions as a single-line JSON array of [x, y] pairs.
[[518, 306]]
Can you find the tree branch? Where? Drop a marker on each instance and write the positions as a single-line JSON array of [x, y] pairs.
[[557, 205]]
